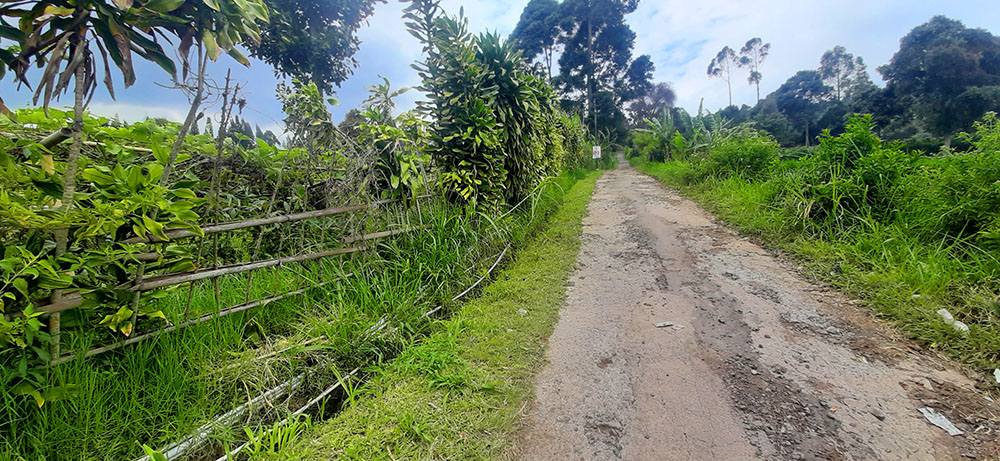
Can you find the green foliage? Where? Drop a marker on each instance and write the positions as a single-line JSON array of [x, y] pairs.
[[576, 149], [48, 33], [959, 194], [400, 163], [537, 30], [271, 440], [313, 40], [438, 400], [747, 153], [598, 74], [936, 63], [882, 222], [493, 133]]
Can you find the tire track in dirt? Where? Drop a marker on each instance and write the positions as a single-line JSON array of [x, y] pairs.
[[756, 362]]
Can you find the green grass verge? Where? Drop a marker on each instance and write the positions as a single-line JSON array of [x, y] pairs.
[[459, 394], [902, 278]]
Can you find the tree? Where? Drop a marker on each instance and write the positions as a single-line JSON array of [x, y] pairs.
[[752, 55], [313, 40], [840, 70], [936, 63], [722, 66], [651, 105], [537, 30], [800, 98], [597, 55]]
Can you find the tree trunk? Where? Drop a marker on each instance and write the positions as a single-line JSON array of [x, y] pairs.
[[69, 178], [548, 62], [807, 134], [590, 67], [730, 86], [192, 116], [758, 92]]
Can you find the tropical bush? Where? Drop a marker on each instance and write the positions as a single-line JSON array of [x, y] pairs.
[[493, 136], [747, 153]]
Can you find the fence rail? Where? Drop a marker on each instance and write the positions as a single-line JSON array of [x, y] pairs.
[[71, 299]]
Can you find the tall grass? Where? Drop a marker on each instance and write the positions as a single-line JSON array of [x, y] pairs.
[[158, 390]]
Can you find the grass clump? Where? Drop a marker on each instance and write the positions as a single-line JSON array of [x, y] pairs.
[[459, 393]]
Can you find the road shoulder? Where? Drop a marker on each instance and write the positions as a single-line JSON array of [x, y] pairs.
[[460, 393]]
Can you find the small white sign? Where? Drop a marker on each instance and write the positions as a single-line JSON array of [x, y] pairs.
[[597, 151]]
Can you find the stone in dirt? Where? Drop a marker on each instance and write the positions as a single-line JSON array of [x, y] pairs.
[[664, 324]]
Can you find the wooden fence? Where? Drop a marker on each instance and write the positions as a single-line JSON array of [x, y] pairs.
[[68, 300]]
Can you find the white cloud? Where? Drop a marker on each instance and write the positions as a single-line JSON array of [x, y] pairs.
[[683, 36], [132, 112]]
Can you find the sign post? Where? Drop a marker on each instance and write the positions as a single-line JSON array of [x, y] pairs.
[[596, 156]]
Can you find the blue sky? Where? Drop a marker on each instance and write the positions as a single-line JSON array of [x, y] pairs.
[[681, 36]]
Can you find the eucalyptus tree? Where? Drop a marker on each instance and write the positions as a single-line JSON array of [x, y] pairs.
[[597, 56], [840, 70], [722, 67], [537, 31], [752, 55]]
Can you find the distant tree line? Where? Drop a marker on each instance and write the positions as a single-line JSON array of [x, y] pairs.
[[944, 77], [597, 77]]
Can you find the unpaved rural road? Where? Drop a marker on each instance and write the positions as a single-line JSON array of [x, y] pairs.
[[759, 363]]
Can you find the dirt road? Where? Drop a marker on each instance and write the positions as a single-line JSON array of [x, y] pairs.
[[749, 360]]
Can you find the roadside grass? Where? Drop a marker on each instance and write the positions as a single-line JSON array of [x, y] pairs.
[[901, 277], [459, 393], [158, 390]]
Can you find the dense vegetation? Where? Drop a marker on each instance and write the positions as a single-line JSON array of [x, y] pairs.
[[93, 208], [460, 393], [943, 78], [911, 233]]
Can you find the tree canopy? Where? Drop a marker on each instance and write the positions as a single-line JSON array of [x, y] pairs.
[[840, 70], [596, 59], [943, 69], [752, 55], [313, 40], [800, 96], [537, 31], [722, 67], [652, 104]]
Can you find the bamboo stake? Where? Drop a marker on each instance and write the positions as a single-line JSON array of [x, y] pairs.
[[184, 277], [174, 234], [203, 318], [314, 401], [200, 436]]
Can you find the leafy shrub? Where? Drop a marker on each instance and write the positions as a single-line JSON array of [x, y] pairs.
[[492, 136], [576, 152], [849, 176], [746, 153], [959, 194]]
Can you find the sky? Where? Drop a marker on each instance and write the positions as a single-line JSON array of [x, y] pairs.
[[681, 36]]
